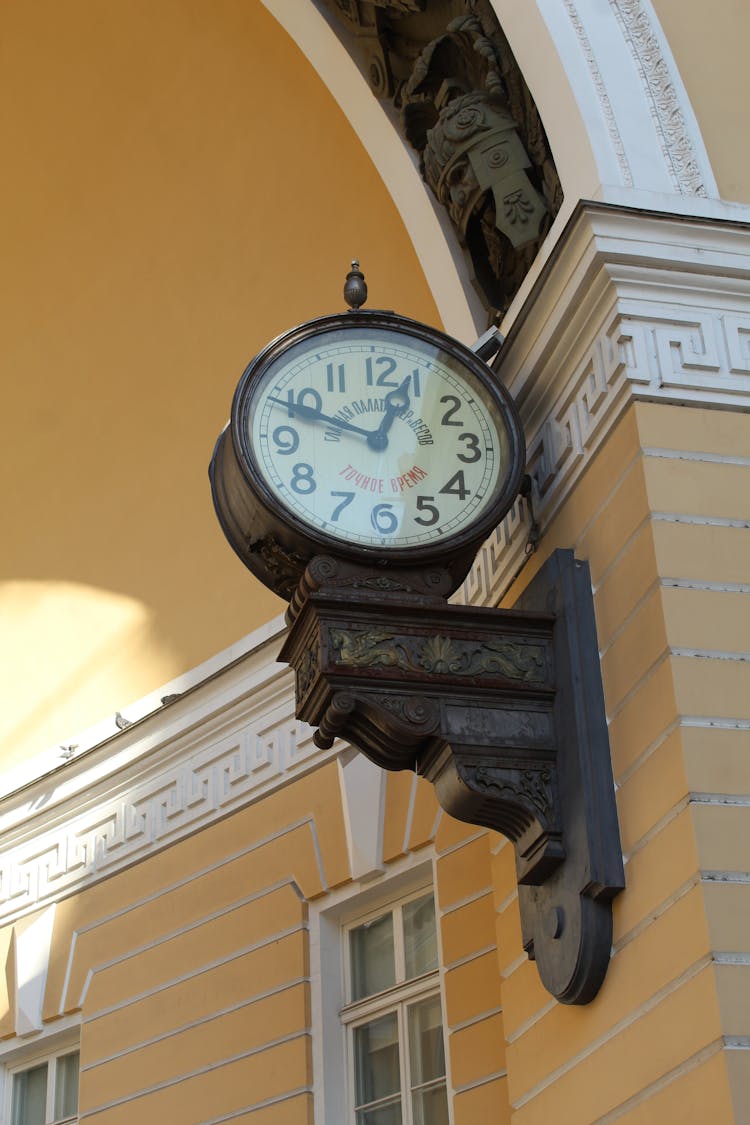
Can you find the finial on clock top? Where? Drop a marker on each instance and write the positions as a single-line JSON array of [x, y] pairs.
[[355, 287]]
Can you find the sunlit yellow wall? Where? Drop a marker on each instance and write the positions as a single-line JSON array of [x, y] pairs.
[[178, 187], [709, 43], [192, 971]]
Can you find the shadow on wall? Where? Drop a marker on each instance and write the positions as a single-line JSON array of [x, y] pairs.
[[99, 649]]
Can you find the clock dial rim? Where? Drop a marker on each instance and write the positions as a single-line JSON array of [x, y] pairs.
[[304, 537]]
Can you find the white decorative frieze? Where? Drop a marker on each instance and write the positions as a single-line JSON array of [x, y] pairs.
[[223, 751], [668, 100], [694, 349]]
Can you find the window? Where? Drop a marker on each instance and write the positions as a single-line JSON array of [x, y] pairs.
[[45, 1092], [393, 1017]]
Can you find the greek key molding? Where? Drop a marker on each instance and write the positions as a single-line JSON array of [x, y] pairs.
[[693, 349], [222, 755], [646, 45]]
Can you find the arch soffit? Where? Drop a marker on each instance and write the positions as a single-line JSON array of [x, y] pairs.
[[614, 108]]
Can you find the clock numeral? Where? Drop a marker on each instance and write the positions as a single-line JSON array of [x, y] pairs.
[[432, 515], [348, 497], [302, 478], [472, 443], [416, 383], [456, 486], [447, 419], [305, 393], [286, 439], [336, 377], [383, 519], [382, 379]]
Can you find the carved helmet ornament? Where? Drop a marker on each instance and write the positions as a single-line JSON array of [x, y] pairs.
[[483, 153], [473, 149]]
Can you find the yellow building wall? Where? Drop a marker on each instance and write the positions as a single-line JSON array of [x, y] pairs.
[[178, 187], [659, 517], [192, 970], [709, 47]]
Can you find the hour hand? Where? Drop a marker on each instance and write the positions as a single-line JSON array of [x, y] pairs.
[[395, 403], [311, 414]]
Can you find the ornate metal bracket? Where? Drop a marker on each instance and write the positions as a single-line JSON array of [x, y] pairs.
[[502, 710]]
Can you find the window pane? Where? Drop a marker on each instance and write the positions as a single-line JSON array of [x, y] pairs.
[[426, 1052], [66, 1086], [376, 1061], [420, 937], [373, 962], [30, 1096], [430, 1107], [382, 1115]]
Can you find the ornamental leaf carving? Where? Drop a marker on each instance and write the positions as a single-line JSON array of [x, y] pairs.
[[439, 655]]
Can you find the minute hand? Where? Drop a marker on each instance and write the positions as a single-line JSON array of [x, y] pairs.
[[310, 414]]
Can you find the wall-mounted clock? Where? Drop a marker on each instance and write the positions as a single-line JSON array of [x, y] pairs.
[[369, 436]]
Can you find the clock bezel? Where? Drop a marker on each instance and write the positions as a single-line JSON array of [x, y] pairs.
[[298, 532]]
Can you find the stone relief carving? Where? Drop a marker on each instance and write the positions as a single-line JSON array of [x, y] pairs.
[[440, 655], [448, 75], [675, 138]]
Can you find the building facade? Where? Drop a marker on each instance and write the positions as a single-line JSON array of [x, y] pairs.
[[205, 917]]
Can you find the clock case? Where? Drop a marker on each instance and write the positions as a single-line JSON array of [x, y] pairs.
[[275, 544]]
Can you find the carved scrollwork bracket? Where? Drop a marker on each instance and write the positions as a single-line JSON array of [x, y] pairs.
[[501, 710]]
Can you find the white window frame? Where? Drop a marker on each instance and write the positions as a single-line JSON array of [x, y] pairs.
[[396, 998], [330, 920], [46, 1047]]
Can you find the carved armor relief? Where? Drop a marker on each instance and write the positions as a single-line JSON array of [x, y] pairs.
[[447, 74]]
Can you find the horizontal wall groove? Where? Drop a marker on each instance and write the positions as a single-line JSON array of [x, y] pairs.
[[725, 876], [698, 521], [709, 587], [646, 754], [721, 799], [540, 1013], [731, 958], [655, 913], [207, 1069], [621, 1025], [708, 721], [467, 901], [630, 617], [475, 956], [164, 986], [510, 969], [189, 927], [474, 1020], [255, 1106], [689, 455], [269, 939], [661, 1083], [644, 523], [452, 848], [218, 1014], [737, 1042], [710, 654], [480, 1082], [509, 899], [640, 683], [658, 827]]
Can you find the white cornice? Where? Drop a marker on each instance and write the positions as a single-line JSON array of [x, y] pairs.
[[631, 305], [227, 740]]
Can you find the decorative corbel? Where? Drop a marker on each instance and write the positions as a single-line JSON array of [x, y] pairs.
[[501, 710]]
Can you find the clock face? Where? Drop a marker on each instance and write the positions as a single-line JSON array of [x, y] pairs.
[[376, 437]]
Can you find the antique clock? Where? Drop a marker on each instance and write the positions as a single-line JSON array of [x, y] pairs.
[[366, 459], [369, 436]]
